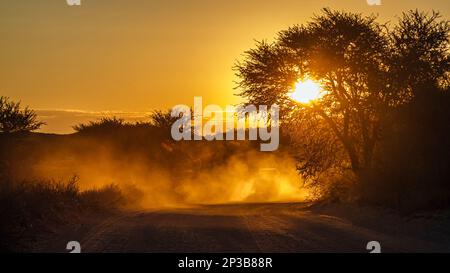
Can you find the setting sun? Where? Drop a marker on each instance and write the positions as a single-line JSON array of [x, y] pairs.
[[306, 91]]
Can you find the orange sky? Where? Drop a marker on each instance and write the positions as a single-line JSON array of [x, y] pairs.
[[136, 55]]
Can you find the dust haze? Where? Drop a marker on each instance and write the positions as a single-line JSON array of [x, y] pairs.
[[167, 174]]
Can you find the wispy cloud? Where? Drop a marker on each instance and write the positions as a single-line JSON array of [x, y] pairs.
[[61, 121]]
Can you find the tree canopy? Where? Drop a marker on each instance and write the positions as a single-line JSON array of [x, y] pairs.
[[14, 118], [365, 69]]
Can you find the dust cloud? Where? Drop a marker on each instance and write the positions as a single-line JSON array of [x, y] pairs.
[[173, 174]]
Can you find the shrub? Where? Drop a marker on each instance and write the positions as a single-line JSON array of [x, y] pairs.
[[30, 207], [15, 119]]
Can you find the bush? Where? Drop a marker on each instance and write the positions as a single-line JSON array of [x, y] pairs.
[[27, 208], [105, 198], [15, 119], [103, 125]]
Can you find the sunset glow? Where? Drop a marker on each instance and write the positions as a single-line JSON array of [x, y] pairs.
[[198, 132], [306, 91]]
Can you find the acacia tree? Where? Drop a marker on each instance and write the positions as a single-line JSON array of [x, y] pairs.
[[162, 119], [101, 125], [358, 62], [15, 119], [419, 53]]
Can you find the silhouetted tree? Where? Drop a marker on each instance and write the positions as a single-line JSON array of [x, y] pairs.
[[13, 118], [419, 53], [162, 119], [365, 70], [105, 124], [343, 51]]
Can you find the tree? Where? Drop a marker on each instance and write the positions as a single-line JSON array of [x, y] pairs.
[[162, 119], [105, 124], [420, 53], [15, 119], [364, 69], [341, 50]]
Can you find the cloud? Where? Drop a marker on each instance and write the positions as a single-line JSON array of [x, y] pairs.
[[61, 121]]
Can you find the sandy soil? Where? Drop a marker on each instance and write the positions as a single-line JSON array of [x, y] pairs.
[[288, 227]]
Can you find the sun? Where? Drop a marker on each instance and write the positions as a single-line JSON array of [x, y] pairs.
[[306, 91]]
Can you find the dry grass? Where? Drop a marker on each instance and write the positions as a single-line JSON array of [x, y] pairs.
[[29, 208]]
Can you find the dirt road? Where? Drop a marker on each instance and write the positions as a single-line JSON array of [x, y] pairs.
[[241, 228]]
